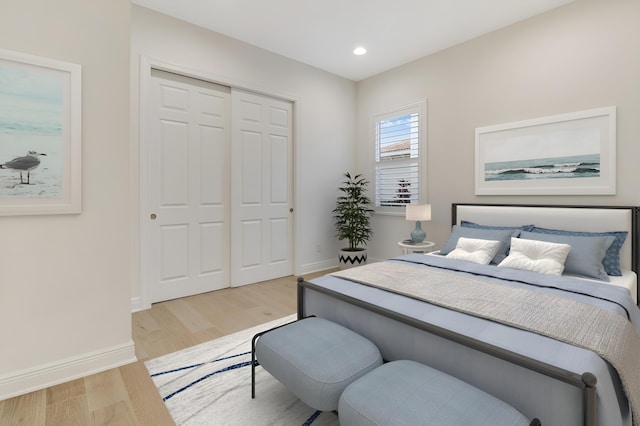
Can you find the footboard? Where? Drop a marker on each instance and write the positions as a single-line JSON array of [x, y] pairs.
[[511, 376]]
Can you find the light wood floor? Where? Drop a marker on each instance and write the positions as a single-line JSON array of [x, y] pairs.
[[126, 395]]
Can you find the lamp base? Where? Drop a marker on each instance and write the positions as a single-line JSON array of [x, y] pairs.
[[418, 235]]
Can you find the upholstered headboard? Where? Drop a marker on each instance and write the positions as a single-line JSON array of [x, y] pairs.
[[571, 218]]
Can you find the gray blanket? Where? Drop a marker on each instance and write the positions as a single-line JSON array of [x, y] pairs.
[[606, 333]]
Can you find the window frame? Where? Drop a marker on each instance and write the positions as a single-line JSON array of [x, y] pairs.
[[418, 107]]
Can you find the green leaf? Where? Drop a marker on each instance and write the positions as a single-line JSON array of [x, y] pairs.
[[353, 211]]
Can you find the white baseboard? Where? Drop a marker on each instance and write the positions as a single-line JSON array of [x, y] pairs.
[[137, 305], [51, 374], [310, 268]]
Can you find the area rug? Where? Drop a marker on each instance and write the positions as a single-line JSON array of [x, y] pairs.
[[210, 384]]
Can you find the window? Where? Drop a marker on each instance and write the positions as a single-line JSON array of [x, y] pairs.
[[398, 158]]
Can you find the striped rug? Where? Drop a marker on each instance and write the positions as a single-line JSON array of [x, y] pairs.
[[210, 384]]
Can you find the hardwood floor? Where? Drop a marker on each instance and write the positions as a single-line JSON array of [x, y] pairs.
[[126, 395]]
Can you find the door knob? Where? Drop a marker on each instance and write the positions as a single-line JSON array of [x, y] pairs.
[[153, 216]]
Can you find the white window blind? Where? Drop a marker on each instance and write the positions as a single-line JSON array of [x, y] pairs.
[[397, 168]]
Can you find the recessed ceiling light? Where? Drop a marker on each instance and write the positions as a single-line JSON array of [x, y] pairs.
[[359, 51]]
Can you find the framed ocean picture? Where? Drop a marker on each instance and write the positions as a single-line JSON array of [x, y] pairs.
[[567, 154], [40, 135]]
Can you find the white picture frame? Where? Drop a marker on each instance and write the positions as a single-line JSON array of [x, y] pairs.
[[40, 113], [567, 154]]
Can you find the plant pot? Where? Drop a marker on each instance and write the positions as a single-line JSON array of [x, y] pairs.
[[348, 258]]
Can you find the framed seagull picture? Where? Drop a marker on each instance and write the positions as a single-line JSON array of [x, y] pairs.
[[40, 135]]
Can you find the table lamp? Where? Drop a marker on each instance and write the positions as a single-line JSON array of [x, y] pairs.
[[418, 212]]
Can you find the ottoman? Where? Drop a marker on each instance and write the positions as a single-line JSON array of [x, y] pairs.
[[409, 393], [315, 359]]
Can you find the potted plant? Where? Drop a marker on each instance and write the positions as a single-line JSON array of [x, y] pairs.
[[351, 217]]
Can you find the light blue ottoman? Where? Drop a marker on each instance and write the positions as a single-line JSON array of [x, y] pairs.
[[409, 393], [316, 359]]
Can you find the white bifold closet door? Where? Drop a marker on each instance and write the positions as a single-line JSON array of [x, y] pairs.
[[261, 188]]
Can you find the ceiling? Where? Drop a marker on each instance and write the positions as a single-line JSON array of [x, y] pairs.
[[324, 33]]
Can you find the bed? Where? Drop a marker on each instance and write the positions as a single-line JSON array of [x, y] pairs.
[[541, 376]]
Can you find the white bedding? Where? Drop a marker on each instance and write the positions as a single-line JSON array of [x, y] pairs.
[[628, 280]]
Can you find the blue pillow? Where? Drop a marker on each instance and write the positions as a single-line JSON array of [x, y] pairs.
[[467, 224], [586, 255], [502, 235], [611, 261]]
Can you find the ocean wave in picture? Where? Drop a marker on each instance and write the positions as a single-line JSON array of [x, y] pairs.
[[578, 166]]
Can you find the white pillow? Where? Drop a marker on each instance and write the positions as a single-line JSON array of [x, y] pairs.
[[537, 256], [475, 250]]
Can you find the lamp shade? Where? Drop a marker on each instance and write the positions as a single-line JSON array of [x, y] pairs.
[[418, 212]]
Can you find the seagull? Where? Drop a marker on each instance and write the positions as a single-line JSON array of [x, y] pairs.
[[24, 164]]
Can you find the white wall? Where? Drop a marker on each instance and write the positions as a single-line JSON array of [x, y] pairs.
[[324, 116], [581, 56], [65, 279]]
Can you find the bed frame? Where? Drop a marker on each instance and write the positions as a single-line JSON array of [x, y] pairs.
[[624, 218]]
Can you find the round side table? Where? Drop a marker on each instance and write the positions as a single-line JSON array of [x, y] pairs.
[[410, 247]]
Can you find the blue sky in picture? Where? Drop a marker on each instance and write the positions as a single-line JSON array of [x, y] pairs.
[[30, 101]]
